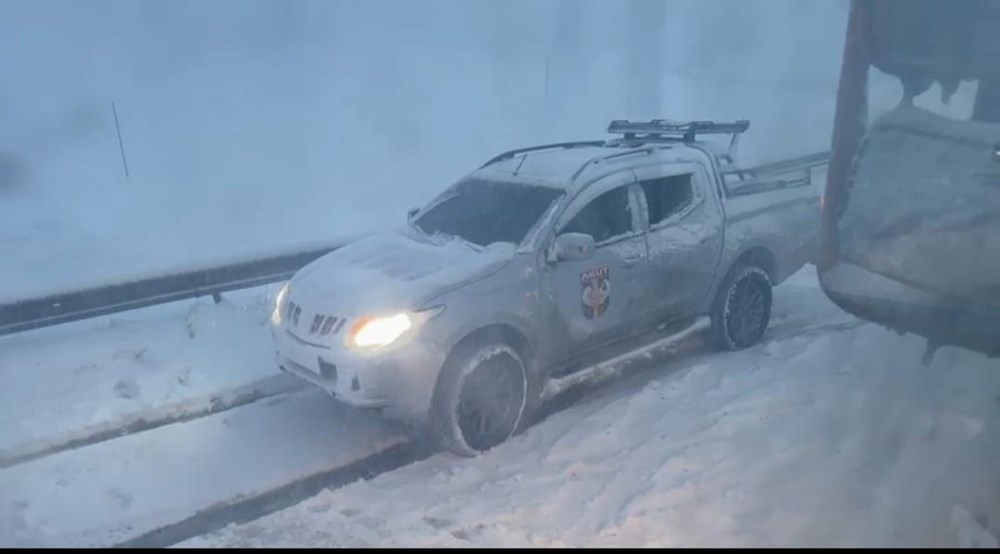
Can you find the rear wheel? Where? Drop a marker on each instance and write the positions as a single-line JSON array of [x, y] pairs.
[[481, 398], [742, 308]]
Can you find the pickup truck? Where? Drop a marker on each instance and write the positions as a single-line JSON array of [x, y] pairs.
[[540, 265]]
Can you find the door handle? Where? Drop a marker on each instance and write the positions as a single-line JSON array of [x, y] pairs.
[[632, 260]]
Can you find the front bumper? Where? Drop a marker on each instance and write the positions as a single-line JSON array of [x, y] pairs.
[[401, 379]]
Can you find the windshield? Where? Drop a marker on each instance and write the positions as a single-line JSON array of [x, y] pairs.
[[483, 212]]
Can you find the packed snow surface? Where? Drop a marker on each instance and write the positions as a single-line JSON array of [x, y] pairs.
[[836, 437]]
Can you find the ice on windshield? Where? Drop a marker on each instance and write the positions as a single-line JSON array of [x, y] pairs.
[[484, 212]]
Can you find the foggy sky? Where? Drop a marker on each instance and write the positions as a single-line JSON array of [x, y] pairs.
[[319, 116]]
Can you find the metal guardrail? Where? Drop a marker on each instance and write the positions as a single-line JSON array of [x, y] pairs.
[[45, 311]]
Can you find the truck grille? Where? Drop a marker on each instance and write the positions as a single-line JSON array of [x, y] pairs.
[[321, 324], [324, 325]]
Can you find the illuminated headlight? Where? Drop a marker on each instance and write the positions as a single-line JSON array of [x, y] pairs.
[[279, 305], [377, 332]]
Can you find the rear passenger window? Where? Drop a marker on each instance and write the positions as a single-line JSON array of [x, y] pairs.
[[667, 196], [605, 217]]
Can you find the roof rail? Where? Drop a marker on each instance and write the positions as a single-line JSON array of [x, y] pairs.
[[599, 159], [511, 153], [662, 130]]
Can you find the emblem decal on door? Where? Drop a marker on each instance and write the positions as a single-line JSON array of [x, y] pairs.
[[596, 287]]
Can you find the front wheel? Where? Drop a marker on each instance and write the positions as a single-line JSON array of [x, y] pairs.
[[480, 399], [741, 311]]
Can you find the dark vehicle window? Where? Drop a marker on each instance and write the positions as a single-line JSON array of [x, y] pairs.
[[606, 217], [667, 196], [483, 212]]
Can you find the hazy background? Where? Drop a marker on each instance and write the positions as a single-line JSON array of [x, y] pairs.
[[254, 125]]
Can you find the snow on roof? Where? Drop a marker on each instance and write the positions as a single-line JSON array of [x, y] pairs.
[[557, 167]]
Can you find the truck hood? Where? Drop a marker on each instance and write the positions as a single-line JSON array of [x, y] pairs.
[[390, 271]]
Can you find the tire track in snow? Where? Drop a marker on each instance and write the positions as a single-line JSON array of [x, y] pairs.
[[246, 509], [672, 357], [147, 420], [690, 351]]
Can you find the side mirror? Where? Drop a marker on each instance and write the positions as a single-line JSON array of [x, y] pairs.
[[573, 247], [412, 212]]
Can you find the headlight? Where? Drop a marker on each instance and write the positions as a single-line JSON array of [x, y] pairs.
[[279, 305], [376, 332], [382, 331]]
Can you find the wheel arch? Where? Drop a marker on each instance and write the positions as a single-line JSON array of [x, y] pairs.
[[762, 257], [497, 331]]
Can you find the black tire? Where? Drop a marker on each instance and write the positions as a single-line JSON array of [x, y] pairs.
[[741, 311], [484, 395]]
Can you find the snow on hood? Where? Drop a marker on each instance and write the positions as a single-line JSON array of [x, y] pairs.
[[390, 271]]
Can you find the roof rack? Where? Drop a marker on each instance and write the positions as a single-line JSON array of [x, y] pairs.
[[511, 153], [662, 130]]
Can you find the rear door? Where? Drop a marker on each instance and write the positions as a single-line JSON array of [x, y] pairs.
[[597, 300], [684, 237]]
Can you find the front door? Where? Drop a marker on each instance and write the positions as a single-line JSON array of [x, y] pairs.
[[597, 300]]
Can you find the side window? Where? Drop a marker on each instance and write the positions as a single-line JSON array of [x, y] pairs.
[[667, 196], [605, 217]]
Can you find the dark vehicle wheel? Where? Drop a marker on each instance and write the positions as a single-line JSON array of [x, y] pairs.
[[742, 308], [481, 398]]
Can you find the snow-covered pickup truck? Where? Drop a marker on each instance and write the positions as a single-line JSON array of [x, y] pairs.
[[541, 264]]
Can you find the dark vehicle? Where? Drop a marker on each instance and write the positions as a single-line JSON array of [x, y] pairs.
[[910, 234]]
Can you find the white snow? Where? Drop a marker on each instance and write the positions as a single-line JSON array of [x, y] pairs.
[[253, 127], [392, 270], [115, 490], [71, 381], [76, 381], [818, 437]]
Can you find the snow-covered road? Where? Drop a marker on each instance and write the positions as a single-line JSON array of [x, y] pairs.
[[121, 425], [70, 381], [112, 491], [834, 439], [828, 433]]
